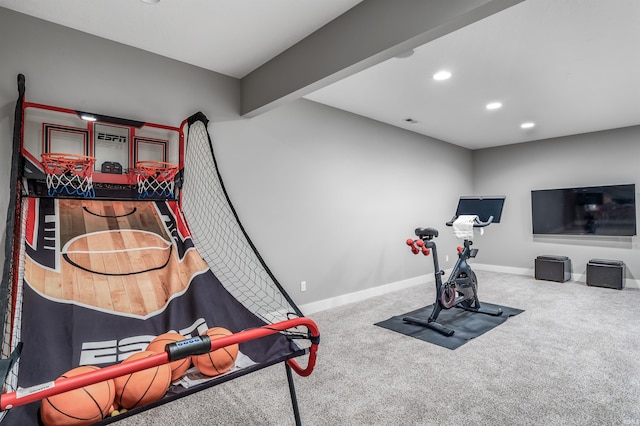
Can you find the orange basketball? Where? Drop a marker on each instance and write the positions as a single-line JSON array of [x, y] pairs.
[[219, 361], [142, 387], [82, 406], [179, 367]]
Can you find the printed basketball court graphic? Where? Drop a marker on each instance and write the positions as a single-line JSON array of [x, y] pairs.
[[104, 277], [119, 256]]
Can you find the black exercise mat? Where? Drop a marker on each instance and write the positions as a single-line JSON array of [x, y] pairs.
[[467, 325]]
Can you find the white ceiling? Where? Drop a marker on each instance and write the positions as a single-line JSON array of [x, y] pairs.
[[232, 37], [570, 66]]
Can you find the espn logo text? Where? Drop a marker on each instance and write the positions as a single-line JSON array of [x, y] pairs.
[[111, 138], [112, 351]]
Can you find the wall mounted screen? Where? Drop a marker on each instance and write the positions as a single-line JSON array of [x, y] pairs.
[[594, 210], [485, 207]]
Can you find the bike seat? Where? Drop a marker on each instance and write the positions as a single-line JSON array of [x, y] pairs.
[[428, 233]]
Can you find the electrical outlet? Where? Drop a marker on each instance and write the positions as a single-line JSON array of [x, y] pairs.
[[446, 258], [303, 286]]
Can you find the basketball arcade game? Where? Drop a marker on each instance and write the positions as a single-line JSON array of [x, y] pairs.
[[100, 262]]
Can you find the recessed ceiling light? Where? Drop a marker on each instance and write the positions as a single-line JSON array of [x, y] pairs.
[[494, 105], [442, 75], [150, 1], [527, 125]]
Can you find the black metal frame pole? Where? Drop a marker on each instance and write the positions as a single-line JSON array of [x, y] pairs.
[[294, 399]]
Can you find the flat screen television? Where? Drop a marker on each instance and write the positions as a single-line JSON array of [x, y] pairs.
[[593, 210]]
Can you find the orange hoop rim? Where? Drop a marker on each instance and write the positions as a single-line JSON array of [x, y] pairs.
[[61, 163], [155, 165], [67, 157]]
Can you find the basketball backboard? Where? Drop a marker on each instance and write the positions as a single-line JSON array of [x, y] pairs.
[[116, 144]]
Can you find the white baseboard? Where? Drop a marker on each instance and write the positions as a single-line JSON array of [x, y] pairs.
[[358, 296], [504, 269], [577, 277]]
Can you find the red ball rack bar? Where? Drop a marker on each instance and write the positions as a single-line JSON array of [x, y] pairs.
[[60, 385]]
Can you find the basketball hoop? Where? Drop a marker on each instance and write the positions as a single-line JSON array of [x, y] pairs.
[[69, 173], [155, 178]]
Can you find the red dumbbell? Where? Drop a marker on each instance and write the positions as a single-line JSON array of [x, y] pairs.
[[414, 249], [425, 250]]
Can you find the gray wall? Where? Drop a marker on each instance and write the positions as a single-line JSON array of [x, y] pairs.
[[331, 196], [328, 197], [600, 158]]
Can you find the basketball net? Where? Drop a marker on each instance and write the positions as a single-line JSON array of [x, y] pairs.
[[69, 173], [155, 178]]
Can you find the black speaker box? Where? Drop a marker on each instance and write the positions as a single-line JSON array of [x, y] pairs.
[[111, 167], [553, 268], [605, 273]]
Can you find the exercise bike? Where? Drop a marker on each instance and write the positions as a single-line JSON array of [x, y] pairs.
[[461, 289]]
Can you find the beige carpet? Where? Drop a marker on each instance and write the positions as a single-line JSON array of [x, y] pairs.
[[572, 358]]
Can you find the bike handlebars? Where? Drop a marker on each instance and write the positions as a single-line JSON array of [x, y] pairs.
[[477, 224], [427, 234]]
